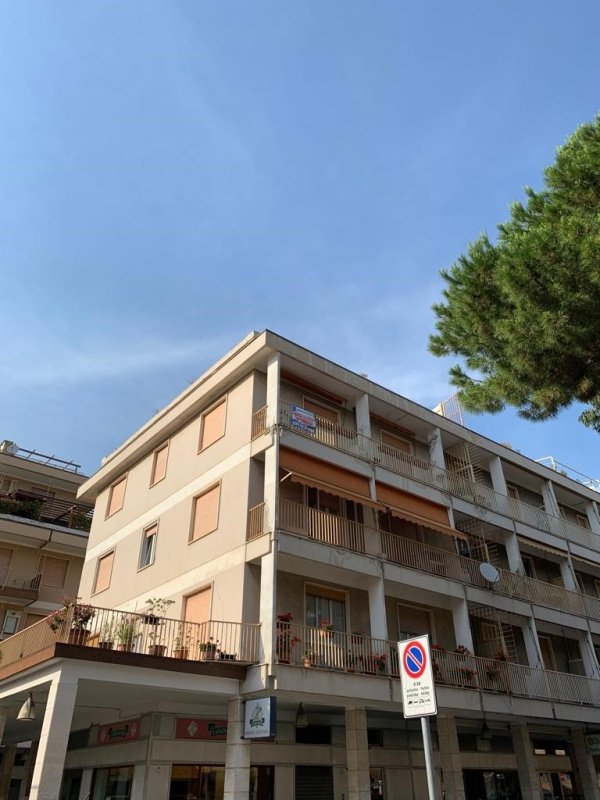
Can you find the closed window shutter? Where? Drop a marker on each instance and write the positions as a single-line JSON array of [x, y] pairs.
[[213, 425], [206, 513], [103, 572], [329, 414], [397, 442], [413, 621], [117, 496], [197, 606], [54, 571], [313, 783], [159, 468]]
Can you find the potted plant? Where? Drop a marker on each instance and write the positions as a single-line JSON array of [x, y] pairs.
[[155, 609], [309, 658], [107, 635], [325, 628], [285, 641], [208, 649], [125, 634], [181, 645]]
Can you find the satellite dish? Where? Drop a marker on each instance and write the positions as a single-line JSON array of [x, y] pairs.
[[489, 572]]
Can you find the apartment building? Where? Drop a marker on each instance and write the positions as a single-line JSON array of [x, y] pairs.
[[274, 532]]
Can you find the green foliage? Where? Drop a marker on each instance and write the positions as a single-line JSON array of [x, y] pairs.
[[28, 509], [524, 313]]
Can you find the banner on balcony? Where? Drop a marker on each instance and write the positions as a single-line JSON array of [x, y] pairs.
[[303, 420], [211, 729], [260, 718]]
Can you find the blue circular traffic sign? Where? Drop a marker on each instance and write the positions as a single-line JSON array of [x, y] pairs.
[[414, 659]]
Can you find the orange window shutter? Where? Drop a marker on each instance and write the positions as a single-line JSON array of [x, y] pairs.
[[397, 442], [117, 496], [104, 572], [206, 513], [197, 606], [54, 571], [213, 425], [160, 464], [320, 411]]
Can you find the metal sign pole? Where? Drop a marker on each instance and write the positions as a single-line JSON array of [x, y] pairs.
[[428, 757]]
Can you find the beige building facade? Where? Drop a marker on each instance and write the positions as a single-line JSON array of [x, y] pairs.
[[273, 533]]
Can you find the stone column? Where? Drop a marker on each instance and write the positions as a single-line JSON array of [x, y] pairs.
[[357, 755], [377, 615], [52, 748], [567, 573], [8, 762], [462, 626], [450, 760], [529, 778], [591, 510], [532, 647], [268, 566], [436, 449], [513, 553], [584, 766], [237, 754], [363, 417], [588, 656], [549, 498], [497, 476]]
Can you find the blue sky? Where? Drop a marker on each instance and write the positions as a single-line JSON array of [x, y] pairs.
[[174, 174]]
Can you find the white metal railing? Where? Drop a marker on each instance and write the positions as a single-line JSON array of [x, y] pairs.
[[326, 528], [357, 444], [259, 422], [11, 580], [303, 646], [109, 629], [256, 522]]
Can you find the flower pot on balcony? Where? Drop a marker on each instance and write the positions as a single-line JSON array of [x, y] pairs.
[[151, 619], [157, 649], [125, 648], [208, 654], [181, 653], [78, 636], [105, 645], [308, 662]]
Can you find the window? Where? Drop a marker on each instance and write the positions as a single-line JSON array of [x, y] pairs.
[[582, 521], [54, 571], [11, 623], [413, 621], [326, 604], [212, 426], [397, 442], [206, 513], [116, 496], [159, 464], [325, 412], [512, 491], [104, 572], [528, 566], [148, 548]]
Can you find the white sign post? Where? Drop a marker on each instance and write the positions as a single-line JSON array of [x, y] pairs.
[[418, 694]]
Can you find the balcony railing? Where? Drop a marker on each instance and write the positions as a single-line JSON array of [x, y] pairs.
[[338, 532], [28, 505], [256, 521], [108, 629], [418, 469], [323, 527], [259, 422], [314, 648], [10, 580]]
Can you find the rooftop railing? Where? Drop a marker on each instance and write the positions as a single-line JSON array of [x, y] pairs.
[[339, 532], [109, 629], [51, 510], [317, 648], [418, 469]]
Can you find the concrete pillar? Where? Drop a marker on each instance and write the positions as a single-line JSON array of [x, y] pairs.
[[8, 762], [357, 755], [450, 759], [237, 754], [377, 615], [363, 417], [532, 647], [529, 778], [567, 573], [86, 784], [268, 567], [585, 769], [588, 656], [31, 766], [52, 748], [436, 449], [284, 780], [549, 498], [513, 553], [593, 516], [462, 626], [497, 476]]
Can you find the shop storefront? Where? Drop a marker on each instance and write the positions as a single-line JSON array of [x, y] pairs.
[[205, 782], [489, 785]]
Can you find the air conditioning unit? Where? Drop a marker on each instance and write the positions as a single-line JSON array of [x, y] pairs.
[[9, 448]]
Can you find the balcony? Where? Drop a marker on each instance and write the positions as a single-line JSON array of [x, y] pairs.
[[338, 532], [356, 444], [15, 587], [109, 635], [51, 510], [314, 648]]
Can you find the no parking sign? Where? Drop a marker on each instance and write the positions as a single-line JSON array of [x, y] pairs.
[[416, 677]]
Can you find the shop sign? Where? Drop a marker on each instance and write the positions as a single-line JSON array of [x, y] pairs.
[[593, 744], [260, 718], [119, 732], [303, 420], [211, 729]]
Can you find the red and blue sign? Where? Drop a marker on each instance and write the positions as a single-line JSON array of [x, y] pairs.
[[414, 659]]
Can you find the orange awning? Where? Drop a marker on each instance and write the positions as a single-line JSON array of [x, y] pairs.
[[416, 509]]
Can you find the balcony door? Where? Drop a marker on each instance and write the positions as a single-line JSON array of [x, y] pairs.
[[196, 637], [326, 615], [547, 652]]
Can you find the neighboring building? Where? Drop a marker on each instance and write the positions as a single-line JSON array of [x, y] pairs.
[[301, 520]]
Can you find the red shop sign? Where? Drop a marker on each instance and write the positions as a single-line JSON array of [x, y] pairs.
[[215, 729], [119, 732]]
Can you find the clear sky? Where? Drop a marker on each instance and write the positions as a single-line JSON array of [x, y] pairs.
[[174, 174]]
